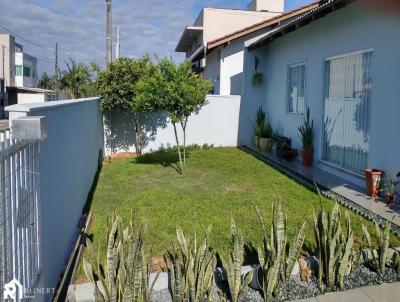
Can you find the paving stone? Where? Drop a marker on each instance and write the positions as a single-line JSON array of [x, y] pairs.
[[353, 295], [313, 299], [383, 293]]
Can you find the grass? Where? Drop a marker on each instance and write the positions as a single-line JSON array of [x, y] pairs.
[[218, 184]]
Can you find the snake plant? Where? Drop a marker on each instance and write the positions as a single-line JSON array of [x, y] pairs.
[[396, 261], [192, 269], [334, 247], [277, 258], [233, 264], [378, 257], [306, 131], [125, 274]]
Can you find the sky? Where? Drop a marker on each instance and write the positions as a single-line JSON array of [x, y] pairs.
[[78, 26]]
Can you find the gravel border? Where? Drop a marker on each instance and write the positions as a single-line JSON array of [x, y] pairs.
[[296, 289]]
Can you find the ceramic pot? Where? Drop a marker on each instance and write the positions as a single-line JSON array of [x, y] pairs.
[[266, 144], [389, 198], [307, 155], [373, 179], [256, 141]]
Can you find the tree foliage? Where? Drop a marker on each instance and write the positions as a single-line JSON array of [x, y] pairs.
[[117, 87], [178, 91], [47, 82], [78, 80]]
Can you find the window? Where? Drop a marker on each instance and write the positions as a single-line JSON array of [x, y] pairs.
[[27, 72], [296, 88], [18, 70], [348, 87]]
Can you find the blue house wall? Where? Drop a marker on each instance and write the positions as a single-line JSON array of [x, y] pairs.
[[347, 30]]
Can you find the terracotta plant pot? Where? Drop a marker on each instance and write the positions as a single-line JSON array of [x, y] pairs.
[[373, 179], [307, 155], [266, 144], [257, 141], [389, 198]]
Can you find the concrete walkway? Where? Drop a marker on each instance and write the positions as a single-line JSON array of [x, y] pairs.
[[386, 292], [337, 185]]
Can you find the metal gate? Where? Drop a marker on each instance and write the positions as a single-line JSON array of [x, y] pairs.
[[19, 213]]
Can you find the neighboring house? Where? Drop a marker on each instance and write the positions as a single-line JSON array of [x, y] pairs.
[[25, 68], [7, 59], [340, 60], [16, 67], [223, 67], [226, 53], [25, 95]]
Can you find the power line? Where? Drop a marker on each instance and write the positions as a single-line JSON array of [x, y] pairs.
[[63, 14], [25, 39], [66, 53], [82, 21]]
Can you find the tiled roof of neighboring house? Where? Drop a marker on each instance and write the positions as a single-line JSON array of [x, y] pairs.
[[324, 8], [263, 24], [282, 21]]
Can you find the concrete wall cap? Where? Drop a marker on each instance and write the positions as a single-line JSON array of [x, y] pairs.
[[41, 106]]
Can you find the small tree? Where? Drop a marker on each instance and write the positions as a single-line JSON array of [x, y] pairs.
[[117, 87], [179, 92]]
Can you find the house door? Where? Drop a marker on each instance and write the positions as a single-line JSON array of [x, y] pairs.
[[348, 87]]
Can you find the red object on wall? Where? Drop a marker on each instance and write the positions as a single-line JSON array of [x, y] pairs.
[[373, 179]]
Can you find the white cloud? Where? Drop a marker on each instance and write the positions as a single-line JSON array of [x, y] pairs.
[[151, 26]]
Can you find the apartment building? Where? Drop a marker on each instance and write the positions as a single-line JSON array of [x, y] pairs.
[[17, 68]]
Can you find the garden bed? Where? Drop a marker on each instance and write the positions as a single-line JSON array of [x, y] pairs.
[[219, 183]]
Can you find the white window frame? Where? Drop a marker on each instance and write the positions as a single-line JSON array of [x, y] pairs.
[[293, 65]]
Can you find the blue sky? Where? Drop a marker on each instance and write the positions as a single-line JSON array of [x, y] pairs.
[[152, 26]]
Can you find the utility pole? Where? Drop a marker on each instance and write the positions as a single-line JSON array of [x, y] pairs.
[[3, 55], [117, 44], [55, 87], [56, 62], [109, 33]]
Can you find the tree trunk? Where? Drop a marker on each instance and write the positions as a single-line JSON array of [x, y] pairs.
[[179, 148], [138, 138], [184, 141]]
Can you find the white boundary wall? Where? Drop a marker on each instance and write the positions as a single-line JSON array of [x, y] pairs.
[[217, 123], [68, 160]]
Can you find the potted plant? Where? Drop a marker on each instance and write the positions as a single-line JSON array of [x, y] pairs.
[[373, 181], [306, 132], [265, 140], [257, 79], [287, 152], [280, 141], [260, 118], [389, 184]]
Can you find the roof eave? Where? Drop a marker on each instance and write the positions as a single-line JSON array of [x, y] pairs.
[[310, 16], [261, 25], [187, 31]]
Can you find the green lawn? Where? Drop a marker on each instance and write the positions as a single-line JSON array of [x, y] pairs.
[[218, 184]]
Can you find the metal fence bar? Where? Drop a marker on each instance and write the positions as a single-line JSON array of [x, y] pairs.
[[19, 210], [3, 230]]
